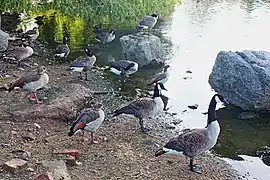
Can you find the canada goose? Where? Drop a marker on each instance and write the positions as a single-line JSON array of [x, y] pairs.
[[105, 37], [160, 77], [83, 63], [32, 83], [63, 49], [88, 120], [19, 53], [31, 34], [123, 67], [144, 107], [98, 29], [147, 22], [193, 142]]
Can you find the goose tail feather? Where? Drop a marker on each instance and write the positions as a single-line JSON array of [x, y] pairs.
[[124, 110]]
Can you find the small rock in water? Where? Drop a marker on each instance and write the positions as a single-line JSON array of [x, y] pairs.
[[14, 164], [170, 126], [176, 121], [185, 78], [247, 115], [188, 71], [195, 106]]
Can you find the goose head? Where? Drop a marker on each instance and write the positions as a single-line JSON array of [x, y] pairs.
[[112, 32], [219, 99], [88, 52], [35, 29], [97, 106], [166, 68], [154, 15], [65, 40], [42, 70]]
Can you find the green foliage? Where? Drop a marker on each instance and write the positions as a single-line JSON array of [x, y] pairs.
[[124, 13]]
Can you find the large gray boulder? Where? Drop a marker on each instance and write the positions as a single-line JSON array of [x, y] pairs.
[[143, 49], [3, 40], [243, 78]]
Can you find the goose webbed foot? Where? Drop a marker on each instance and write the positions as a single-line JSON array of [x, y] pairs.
[[196, 168], [143, 129]]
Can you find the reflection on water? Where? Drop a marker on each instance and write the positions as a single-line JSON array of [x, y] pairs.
[[198, 32]]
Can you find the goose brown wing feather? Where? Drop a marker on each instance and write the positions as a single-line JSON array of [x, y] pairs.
[[157, 78], [24, 80], [191, 142]]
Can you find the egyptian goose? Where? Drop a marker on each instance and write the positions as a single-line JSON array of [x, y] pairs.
[[32, 83]]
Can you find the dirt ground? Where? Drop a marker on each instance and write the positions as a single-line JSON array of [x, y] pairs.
[[122, 151]]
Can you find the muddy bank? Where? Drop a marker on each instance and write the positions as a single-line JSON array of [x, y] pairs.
[[122, 152]]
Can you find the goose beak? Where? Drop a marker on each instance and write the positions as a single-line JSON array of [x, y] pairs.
[[159, 152]]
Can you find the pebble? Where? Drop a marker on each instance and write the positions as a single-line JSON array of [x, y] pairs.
[[30, 169], [14, 164], [37, 125], [188, 71], [29, 137]]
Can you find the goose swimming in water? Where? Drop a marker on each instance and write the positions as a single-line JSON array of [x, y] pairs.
[[147, 23], [105, 37], [88, 120], [144, 107], [32, 83], [160, 77], [193, 142], [63, 49], [83, 63]]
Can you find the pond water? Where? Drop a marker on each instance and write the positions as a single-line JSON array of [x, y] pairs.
[[198, 30]]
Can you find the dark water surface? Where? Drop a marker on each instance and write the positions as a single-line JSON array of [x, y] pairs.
[[194, 34]]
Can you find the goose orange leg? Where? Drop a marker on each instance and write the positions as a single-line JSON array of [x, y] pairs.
[[37, 101]]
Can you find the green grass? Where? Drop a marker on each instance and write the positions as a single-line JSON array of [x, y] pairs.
[[124, 13]]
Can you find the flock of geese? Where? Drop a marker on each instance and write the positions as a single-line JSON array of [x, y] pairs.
[[190, 143]]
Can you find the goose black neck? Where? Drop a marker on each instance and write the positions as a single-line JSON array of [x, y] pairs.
[[212, 111], [156, 92]]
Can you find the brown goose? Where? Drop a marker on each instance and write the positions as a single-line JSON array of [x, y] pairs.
[[63, 49], [144, 107], [32, 83], [19, 53], [160, 77], [83, 63], [193, 142], [88, 120]]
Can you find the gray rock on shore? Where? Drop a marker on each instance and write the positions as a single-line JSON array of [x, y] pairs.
[[143, 49], [3, 41], [243, 78]]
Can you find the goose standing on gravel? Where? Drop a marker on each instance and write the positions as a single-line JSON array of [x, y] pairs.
[[19, 53], [88, 120], [32, 83], [83, 63], [123, 67], [160, 77], [144, 107], [31, 34], [193, 142], [147, 23], [105, 37], [63, 49]]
